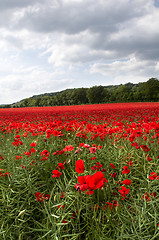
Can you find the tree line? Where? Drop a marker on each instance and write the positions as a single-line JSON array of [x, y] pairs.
[[129, 92]]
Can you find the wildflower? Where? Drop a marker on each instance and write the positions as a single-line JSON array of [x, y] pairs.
[[80, 166], [149, 158], [110, 204], [41, 197], [113, 175], [97, 181], [153, 176], [124, 191], [56, 173], [129, 163], [18, 157], [33, 144], [44, 153], [126, 182], [97, 166], [146, 197], [61, 166], [154, 194], [93, 158], [126, 170], [68, 148], [92, 149], [62, 195], [145, 148], [33, 150], [112, 165], [65, 221], [96, 207]]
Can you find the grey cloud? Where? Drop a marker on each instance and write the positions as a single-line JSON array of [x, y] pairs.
[[75, 17], [10, 4], [112, 25], [14, 41]]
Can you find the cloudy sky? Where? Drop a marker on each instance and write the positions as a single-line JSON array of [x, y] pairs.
[[52, 45]]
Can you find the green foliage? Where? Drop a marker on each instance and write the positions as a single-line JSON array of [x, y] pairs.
[[129, 92], [95, 94]]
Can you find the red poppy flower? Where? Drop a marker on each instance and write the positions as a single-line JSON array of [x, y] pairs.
[[39, 196], [149, 158], [68, 148], [92, 149], [145, 148], [61, 166], [33, 150], [83, 183], [33, 144], [113, 175], [126, 182], [80, 166], [45, 153], [56, 173], [153, 176], [126, 170], [46, 197], [97, 181], [112, 165], [124, 191], [146, 197]]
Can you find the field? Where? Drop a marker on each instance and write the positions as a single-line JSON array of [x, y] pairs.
[[80, 172]]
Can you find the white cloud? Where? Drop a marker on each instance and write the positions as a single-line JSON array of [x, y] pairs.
[[127, 70], [52, 44], [24, 83]]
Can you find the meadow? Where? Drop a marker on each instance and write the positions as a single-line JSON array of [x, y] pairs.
[[80, 172]]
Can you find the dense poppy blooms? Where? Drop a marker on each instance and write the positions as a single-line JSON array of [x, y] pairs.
[[133, 125], [79, 166]]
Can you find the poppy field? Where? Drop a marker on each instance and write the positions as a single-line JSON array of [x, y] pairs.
[[80, 172]]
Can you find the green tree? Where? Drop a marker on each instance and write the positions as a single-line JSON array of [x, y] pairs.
[[95, 94], [79, 96], [151, 89]]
